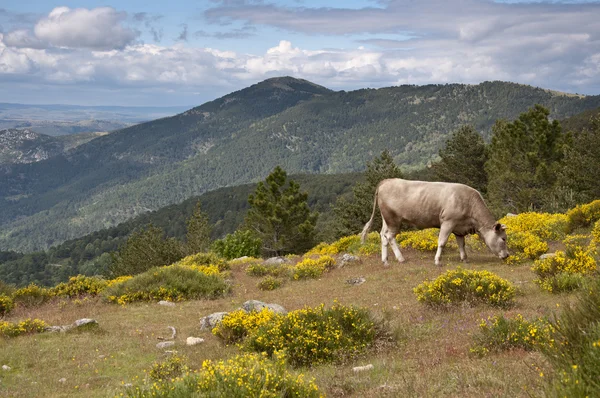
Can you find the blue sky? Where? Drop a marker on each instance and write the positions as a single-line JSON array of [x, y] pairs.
[[188, 52]]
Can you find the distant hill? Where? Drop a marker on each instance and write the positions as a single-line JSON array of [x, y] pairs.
[[239, 138]]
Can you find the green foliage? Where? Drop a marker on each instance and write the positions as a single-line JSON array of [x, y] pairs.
[[167, 370], [463, 159], [316, 335], [584, 215], [466, 286], [6, 305], [352, 215], [576, 352], [143, 250], [312, 268], [279, 215], [235, 326], [198, 231], [524, 158], [262, 269], [269, 283], [204, 259], [499, 334], [80, 285], [28, 326], [239, 244], [565, 270], [32, 295], [173, 283]]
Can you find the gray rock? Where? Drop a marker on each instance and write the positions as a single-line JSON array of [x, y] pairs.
[[358, 369], [65, 328], [255, 305], [510, 215], [194, 340], [54, 329], [277, 260], [547, 255], [84, 321], [6, 367], [240, 258], [210, 321], [276, 308], [347, 259], [356, 281], [165, 344], [166, 303], [62, 380]]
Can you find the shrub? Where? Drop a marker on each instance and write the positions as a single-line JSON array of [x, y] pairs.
[[527, 245], [596, 233], [247, 375], [6, 289], [576, 353], [199, 260], [28, 326], [424, 239], [168, 369], [262, 269], [310, 268], [581, 262], [238, 324], [545, 226], [584, 215], [562, 282], [465, 286], [499, 334], [80, 285], [6, 305], [316, 335], [238, 244], [117, 280], [32, 295], [173, 283], [269, 283]]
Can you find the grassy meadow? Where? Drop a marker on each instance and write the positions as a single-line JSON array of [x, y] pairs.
[[430, 358]]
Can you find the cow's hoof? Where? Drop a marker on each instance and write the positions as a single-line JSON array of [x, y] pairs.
[[402, 260], [386, 264]]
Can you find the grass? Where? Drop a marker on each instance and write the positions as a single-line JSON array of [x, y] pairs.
[[431, 358]]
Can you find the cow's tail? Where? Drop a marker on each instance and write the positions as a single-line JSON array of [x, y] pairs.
[[367, 226]]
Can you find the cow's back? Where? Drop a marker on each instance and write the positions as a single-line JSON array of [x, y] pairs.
[[424, 204]]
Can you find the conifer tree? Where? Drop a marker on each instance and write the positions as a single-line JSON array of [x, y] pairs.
[[280, 217], [351, 215], [198, 231]]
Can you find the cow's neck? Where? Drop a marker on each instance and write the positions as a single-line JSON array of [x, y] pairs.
[[482, 216]]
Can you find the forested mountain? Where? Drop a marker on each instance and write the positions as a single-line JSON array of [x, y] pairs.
[[240, 138], [22, 146]]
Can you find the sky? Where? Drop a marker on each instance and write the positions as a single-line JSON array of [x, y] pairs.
[[184, 53]]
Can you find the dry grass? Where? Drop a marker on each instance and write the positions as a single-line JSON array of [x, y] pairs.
[[431, 357]]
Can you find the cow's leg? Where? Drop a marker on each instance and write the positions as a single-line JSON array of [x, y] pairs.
[[460, 239], [384, 243], [391, 237], [445, 231]]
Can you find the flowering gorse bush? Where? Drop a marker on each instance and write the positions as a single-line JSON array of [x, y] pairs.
[[347, 244], [565, 270], [6, 305], [545, 226], [584, 215], [238, 324], [28, 326], [204, 262], [499, 333], [424, 239], [80, 285], [262, 269], [269, 283], [316, 335], [525, 245], [32, 295], [311, 268], [168, 369], [596, 233], [117, 280], [465, 286]]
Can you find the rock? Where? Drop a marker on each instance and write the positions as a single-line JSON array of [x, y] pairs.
[[84, 321], [166, 303], [165, 344], [276, 260], [547, 255], [62, 329], [358, 369], [77, 324], [62, 380], [194, 340], [6, 367], [510, 215], [347, 259], [356, 281], [210, 321], [256, 305], [240, 258]]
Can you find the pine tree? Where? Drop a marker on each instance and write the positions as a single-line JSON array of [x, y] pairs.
[[524, 159], [463, 159], [351, 215], [198, 231], [279, 215]]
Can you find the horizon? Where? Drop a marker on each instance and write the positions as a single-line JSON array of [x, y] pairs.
[[154, 54]]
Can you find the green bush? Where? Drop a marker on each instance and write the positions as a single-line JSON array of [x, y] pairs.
[[584, 215], [174, 283], [167, 370], [465, 286], [262, 269], [204, 259], [238, 244], [32, 295], [28, 326], [562, 282], [316, 335], [499, 334], [6, 289], [6, 305], [269, 283], [311, 268], [80, 285], [238, 324]]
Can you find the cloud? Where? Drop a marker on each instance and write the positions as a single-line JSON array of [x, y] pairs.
[[150, 22], [96, 29], [241, 33], [183, 36]]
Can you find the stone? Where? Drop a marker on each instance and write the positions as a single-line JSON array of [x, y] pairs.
[[347, 259], [547, 255], [356, 281], [358, 369], [165, 344], [194, 340], [6, 367], [511, 215], [210, 321], [84, 321], [256, 305], [65, 328], [62, 380], [276, 260], [240, 258], [276, 308], [166, 303]]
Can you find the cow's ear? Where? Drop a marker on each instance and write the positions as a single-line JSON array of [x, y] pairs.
[[499, 227]]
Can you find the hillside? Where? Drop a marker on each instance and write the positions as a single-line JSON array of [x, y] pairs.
[[239, 138]]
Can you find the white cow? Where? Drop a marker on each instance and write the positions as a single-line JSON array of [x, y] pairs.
[[453, 208]]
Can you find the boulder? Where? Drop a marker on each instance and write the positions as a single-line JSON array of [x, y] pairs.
[[210, 321], [77, 324], [276, 260], [547, 255], [166, 303], [165, 344], [6, 367], [256, 305], [347, 259], [356, 281], [358, 369], [194, 340]]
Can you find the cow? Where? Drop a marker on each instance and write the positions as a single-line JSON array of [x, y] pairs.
[[453, 208]]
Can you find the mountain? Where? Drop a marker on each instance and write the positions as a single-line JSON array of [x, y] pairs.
[[26, 146], [240, 138]]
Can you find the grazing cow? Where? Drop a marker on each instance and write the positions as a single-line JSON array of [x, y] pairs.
[[453, 208]]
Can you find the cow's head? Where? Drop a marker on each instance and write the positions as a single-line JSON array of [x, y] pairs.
[[495, 239]]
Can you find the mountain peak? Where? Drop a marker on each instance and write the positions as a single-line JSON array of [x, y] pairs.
[[291, 83]]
